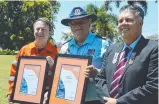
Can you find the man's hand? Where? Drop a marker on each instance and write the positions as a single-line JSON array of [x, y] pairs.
[[110, 100], [90, 71], [50, 61]]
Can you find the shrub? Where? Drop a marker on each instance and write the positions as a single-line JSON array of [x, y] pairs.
[[8, 52]]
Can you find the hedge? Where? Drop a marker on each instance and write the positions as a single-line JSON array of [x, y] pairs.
[[8, 52]]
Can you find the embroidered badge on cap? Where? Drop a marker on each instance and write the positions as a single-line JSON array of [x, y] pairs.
[[77, 12]]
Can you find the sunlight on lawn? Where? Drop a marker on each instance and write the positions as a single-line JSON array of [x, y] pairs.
[[5, 63]]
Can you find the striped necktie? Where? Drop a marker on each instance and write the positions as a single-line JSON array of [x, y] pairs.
[[114, 88]]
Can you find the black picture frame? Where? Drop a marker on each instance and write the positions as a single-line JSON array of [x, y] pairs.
[[33, 63], [73, 62]]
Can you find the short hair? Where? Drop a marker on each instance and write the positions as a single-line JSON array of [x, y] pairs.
[[46, 21], [134, 8]]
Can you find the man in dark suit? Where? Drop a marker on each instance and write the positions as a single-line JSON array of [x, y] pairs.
[[129, 74]]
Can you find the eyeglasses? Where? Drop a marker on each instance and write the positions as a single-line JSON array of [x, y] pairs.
[[78, 22]]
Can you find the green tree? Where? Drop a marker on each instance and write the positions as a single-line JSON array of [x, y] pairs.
[[153, 37], [17, 18], [67, 36], [105, 25], [142, 3]]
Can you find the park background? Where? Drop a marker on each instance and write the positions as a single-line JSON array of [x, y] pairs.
[[150, 30]]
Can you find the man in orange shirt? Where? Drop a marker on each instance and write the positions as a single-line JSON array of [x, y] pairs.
[[40, 47]]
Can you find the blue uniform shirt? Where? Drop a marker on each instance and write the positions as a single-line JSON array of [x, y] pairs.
[[93, 46]]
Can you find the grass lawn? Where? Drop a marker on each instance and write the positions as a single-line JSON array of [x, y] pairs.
[[5, 63]]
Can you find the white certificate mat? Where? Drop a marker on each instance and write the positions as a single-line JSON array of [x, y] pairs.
[[30, 78], [68, 82]]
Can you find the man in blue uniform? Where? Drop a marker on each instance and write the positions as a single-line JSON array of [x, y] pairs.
[[84, 43]]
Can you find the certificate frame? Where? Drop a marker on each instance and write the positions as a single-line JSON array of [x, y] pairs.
[[30, 80], [69, 84]]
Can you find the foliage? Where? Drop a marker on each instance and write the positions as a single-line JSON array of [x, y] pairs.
[[153, 37], [17, 18], [143, 4], [105, 25], [67, 36], [8, 52]]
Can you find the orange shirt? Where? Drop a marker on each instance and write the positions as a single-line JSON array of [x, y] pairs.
[[30, 50]]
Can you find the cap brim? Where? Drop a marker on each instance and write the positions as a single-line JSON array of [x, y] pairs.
[[67, 20]]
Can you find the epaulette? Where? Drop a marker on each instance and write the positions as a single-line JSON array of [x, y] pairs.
[[67, 41], [100, 37]]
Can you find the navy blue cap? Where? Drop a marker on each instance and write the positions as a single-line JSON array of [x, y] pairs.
[[78, 13]]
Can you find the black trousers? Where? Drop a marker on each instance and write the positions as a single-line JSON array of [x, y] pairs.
[[93, 102]]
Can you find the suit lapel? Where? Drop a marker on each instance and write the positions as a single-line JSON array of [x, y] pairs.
[[139, 46], [118, 51]]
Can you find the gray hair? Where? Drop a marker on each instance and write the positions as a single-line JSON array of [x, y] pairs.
[[133, 8], [46, 21]]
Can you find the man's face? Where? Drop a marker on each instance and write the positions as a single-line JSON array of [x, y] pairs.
[[80, 28], [129, 25], [41, 32]]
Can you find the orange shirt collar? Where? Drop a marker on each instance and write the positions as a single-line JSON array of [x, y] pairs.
[[49, 47]]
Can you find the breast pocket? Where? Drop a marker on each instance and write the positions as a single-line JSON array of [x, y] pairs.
[[91, 52]]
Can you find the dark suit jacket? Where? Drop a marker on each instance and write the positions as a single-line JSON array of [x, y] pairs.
[[139, 83]]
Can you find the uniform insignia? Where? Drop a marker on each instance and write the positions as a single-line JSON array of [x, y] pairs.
[[115, 58], [131, 61], [91, 51], [77, 12]]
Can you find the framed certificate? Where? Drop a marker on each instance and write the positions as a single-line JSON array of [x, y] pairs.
[[30, 79], [69, 82]]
